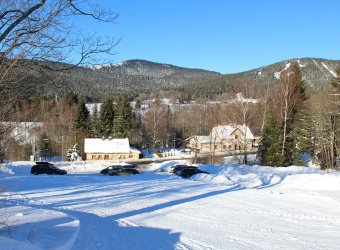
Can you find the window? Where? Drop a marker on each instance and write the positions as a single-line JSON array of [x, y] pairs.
[[215, 146], [106, 157], [130, 156], [224, 146], [100, 157], [236, 137], [93, 157], [229, 146]]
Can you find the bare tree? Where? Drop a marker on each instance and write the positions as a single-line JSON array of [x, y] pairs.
[[290, 86], [34, 33], [243, 113], [324, 109]]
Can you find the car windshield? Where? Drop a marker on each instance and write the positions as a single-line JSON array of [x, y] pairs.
[[114, 167]]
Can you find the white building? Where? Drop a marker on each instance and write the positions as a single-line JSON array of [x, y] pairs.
[[109, 149]]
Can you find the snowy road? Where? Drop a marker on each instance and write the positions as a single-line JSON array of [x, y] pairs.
[[236, 207]]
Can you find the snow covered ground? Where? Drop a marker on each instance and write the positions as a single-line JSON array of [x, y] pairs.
[[235, 207]]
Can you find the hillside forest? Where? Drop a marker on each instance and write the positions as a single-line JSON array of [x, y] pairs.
[[289, 120]]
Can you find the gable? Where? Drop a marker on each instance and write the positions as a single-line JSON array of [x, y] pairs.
[[225, 132]]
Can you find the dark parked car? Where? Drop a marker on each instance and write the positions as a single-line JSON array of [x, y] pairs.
[[42, 167], [175, 168], [185, 171], [120, 170]]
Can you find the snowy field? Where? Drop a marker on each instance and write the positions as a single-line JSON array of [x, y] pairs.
[[235, 207]]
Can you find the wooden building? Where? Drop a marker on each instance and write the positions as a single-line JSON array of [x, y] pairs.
[[109, 149]]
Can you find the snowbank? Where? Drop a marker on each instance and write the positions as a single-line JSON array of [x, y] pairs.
[[37, 229]]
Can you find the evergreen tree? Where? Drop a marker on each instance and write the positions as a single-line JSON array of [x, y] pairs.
[[95, 122], [73, 154], [71, 98], [122, 119], [271, 144], [299, 139], [138, 104], [106, 118], [292, 94], [135, 136], [44, 145], [302, 134], [82, 120], [146, 138]]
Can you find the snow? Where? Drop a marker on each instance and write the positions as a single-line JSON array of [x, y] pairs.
[[330, 71], [23, 132], [278, 74], [225, 132], [301, 65], [235, 207], [203, 138], [240, 98], [90, 107], [105, 65], [96, 145]]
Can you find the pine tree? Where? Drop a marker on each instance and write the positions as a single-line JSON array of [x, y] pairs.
[[106, 118], [146, 138], [271, 144], [302, 134], [82, 120], [298, 140], [122, 120], [73, 154], [95, 122], [292, 96], [44, 145], [138, 104], [71, 98]]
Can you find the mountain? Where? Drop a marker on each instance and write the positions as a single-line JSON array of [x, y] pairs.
[[316, 73], [133, 77], [138, 76]]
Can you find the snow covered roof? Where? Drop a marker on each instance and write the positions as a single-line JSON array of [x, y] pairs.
[[109, 146], [203, 138], [225, 131], [246, 131]]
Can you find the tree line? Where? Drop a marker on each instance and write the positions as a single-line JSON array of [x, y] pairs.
[[297, 124]]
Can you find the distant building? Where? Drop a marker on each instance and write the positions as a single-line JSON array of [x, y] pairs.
[[223, 138], [109, 149]]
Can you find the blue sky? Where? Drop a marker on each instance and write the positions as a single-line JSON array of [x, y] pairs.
[[222, 35]]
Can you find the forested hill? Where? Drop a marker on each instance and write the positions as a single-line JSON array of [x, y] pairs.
[[131, 77], [138, 76], [316, 73]]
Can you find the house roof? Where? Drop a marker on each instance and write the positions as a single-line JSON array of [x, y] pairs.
[[225, 131], [203, 138], [109, 146]]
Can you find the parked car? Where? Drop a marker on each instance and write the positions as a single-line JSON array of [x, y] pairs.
[[173, 169], [42, 167], [120, 170], [185, 171]]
